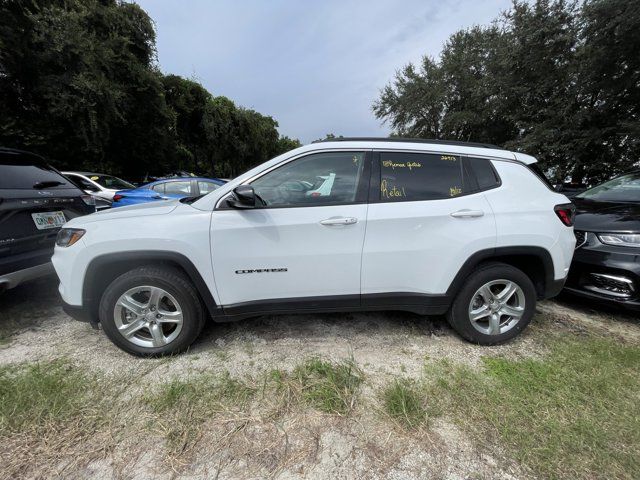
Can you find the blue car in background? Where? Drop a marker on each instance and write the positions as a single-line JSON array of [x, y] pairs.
[[166, 189]]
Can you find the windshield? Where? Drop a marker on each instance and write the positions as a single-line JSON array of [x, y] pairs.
[[115, 183], [625, 188]]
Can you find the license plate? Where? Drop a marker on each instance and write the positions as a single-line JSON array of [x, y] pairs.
[[47, 220]]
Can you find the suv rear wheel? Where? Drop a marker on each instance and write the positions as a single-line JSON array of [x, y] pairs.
[[494, 305], [152, 311]]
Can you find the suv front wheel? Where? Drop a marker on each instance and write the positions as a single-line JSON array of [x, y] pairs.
[[152, 311], [494, 305]]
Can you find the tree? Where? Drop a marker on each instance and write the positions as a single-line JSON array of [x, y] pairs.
[[328, 136], [549, 78], [286, 144], [79, 84]]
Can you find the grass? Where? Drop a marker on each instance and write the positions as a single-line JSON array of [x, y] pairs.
[[404, 403], [205, 393], [51, 411], [574, 414], [329, 387], [44, 394], [181, 407]]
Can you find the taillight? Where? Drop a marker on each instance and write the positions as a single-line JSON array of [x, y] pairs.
[[88, 199], [566, 213], [117, 197]]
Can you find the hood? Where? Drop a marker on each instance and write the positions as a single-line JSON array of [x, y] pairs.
[[594, 216], [142, 210]]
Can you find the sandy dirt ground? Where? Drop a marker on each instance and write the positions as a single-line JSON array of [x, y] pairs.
[[304, 444]]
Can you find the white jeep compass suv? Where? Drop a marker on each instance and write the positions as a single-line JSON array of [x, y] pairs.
[[430, 227]]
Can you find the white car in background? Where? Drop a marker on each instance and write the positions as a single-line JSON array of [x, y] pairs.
[[102, 187]]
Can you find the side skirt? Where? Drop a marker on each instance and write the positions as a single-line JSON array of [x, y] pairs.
[[421, 304]]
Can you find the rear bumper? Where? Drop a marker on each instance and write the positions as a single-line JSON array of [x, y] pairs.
[[554, 288], [606, 273], [13, 279]]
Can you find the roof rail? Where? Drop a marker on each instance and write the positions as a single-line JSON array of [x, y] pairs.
[[409, 140]]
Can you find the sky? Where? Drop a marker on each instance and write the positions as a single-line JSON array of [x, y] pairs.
[[315, 66]]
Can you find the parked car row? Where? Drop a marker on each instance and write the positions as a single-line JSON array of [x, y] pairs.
[[110, 191], [36, 200], [469, 230]]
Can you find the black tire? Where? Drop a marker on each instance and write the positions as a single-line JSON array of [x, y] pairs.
[[173, 281], [458, 314]]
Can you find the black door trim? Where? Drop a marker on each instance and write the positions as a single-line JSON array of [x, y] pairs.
[[422, 304]]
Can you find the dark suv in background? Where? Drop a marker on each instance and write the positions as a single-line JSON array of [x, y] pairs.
[[606, 263], [35, 201]]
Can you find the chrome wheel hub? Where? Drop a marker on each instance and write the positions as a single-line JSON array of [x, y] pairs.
[[496, 307], [148, 316]]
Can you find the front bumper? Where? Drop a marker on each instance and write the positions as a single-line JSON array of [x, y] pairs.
[[606, 273], [79, 313]]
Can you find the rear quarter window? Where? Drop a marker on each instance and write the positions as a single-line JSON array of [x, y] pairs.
[[481, 174], [537, 171]]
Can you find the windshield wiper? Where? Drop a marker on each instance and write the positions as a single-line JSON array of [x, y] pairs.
[[48, 183]]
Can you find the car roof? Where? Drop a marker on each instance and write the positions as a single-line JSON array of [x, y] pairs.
[[410, 140], [424, 145]]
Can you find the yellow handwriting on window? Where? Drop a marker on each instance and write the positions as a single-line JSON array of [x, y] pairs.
[[393, 165], [391, 192], [453, 191], [448, 158]]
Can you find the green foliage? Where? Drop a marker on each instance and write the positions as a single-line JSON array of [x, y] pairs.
[[204, 394], [403, 402], [549, 78], [79, 85], [329, 387], [44, 395], [573, 414]]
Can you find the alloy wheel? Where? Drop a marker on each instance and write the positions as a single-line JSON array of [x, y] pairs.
[[148, 316], [497, 307]]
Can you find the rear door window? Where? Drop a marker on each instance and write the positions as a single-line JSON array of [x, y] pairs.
[[178, 188], [82, 183], [406, 177]]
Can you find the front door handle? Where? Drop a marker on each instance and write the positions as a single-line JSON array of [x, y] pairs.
[[467, 213], [339, 221]]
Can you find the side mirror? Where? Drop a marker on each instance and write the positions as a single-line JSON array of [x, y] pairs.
[[245, 197]]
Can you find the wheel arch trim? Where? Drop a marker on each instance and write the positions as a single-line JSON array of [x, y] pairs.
[[499, 253], [139, 257]]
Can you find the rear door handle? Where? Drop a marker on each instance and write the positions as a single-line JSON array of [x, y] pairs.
[[339, 221], [467, 213]]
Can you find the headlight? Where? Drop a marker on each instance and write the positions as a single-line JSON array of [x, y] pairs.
[[68, 236], [620, 239]]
